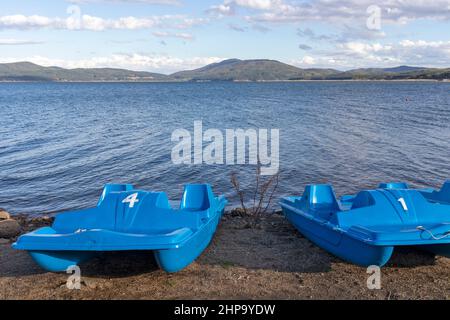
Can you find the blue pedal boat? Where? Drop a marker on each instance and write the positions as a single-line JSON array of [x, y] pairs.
[[365, 228], [127, 219]]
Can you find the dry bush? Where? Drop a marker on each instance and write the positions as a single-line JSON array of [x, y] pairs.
[[260, 198]]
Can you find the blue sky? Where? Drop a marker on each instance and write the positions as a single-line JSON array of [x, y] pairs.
[[171, 35]]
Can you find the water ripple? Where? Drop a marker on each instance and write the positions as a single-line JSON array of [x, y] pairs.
[[60, 143]]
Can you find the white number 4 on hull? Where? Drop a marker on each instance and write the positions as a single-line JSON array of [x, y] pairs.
[[131, 199]]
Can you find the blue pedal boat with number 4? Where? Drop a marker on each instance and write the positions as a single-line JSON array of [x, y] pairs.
[[127, 219], [365, 228]]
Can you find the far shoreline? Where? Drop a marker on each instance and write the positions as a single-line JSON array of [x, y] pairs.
[[238, 81]]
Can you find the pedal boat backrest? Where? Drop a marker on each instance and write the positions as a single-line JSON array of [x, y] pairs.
[[319, 200], [393, 185], [114, 188], [441, 196], [197, 197]]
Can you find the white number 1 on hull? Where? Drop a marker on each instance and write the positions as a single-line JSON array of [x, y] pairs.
[[403, 203]]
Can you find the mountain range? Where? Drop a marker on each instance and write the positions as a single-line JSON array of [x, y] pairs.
[[227, 70], [27, 71]]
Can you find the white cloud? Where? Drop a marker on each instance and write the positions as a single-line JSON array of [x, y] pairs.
[[352, 55], [399, 11], [139, 62], [257, 4], [222, 9], [228, 7], [21, 21], [163, 2], [163, 34], [88, 22], [425, 44], [307, 60], [17, 42], [364, 48]]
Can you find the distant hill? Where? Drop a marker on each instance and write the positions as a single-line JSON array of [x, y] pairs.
[[251, 70], [26, 71], [403, 69], [425, 74], [271, 70], [379, 73], [228, 70], [397, 73]]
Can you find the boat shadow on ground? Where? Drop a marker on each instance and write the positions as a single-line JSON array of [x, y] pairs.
[[277, 245], [14, 263], [120, 264], [272, 245], [104, 265], [409, 257]]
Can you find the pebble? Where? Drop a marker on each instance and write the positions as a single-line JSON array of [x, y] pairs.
[[90, 284], [4, 215], [9, 228]]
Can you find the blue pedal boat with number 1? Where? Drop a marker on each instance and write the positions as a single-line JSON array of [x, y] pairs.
[[127, 219], [365, 228]]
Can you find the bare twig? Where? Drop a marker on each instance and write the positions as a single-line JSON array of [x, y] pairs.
[[262, 195], [258, 175], [277, 180], [236, 185]]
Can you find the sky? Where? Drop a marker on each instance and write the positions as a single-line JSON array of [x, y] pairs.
[[166, 36]]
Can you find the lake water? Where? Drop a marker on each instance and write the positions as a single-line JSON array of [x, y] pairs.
[[60, 143]]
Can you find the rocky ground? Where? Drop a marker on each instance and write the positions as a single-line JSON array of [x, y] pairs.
[[269, 261]]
